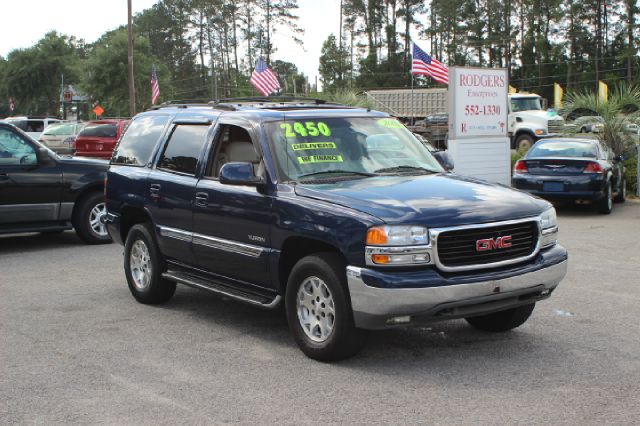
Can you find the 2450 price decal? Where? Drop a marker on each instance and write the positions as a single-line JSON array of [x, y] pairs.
[[482, 110]]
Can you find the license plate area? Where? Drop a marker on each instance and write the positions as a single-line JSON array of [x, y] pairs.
[[553, 186]]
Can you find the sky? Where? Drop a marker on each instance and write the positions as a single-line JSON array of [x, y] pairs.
[[25, 22]]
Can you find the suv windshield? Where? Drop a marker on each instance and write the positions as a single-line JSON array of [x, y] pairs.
[[321, 148], [525, 104]]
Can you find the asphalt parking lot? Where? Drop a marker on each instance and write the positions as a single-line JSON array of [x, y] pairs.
[[75, 347]]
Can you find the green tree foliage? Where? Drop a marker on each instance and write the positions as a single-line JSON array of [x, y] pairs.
[[333, 65], [288, 74], [33, 76], [107, 73]]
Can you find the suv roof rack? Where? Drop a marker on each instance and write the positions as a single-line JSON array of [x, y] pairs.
[[233, 104]]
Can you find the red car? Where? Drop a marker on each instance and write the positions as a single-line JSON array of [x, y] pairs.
[[99, 137]]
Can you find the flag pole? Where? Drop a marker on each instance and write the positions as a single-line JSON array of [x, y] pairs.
[[413, 104]]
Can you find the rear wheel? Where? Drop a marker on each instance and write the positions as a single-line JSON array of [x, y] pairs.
[[605, 204], [622, 192], [87, 219], [503, 320], [524, 142], [143, 267], [319, 310]]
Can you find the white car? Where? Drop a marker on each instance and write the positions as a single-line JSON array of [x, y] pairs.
[[32, 126], [60, 137]]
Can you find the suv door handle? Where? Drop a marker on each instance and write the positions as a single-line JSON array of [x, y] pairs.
[[154, 191], [202, 199]]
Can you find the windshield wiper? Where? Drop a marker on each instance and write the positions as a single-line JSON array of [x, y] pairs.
[[404, 169], [337, 171]]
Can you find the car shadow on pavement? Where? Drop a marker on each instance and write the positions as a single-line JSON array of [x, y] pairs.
[[33, 242], [437, 344]]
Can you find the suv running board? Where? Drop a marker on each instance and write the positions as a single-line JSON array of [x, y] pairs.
[[232, 292]]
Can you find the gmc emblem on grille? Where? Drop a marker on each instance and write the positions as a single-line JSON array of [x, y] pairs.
[[493, 243]]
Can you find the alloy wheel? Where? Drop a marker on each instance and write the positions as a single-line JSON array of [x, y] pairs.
[[316, 309]]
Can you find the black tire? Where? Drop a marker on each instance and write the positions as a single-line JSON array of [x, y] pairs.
[[503, 320], [156, 290], [622, 193], [524, 142], [605, 204], [344, 339], [85, 216]]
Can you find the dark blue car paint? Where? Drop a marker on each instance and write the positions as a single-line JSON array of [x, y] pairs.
[[336, 214]]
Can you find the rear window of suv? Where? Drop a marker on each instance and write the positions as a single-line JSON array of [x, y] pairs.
[[102, 130], [137, 144]]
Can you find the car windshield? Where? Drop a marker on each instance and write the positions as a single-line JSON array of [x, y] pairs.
[[321, 148], [525, 104], [99, 130], [59, 130], [563, 149]]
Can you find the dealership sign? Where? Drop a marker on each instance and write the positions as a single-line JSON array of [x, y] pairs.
[[478, 139], [480, 102]]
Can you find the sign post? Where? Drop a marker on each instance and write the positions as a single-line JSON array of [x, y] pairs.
[[478, 140]]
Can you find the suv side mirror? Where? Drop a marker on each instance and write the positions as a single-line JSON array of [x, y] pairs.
[[42, 155], [444, 159], [239, 174]]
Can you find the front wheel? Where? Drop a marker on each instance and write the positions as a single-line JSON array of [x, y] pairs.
[[622, 192], [503, 320], [524, 142], [87, 219], [319, 310]]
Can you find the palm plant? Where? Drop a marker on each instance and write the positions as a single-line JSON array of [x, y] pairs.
[[622, 107]]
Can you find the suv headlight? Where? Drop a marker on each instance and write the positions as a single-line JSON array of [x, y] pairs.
[[396, 245], [549, 227]]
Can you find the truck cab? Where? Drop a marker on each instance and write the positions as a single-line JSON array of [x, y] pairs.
[[529, 121]]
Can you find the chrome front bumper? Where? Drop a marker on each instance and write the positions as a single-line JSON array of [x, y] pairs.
[[377, 308]]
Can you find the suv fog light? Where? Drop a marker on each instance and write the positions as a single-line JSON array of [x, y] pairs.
[[399, 320]]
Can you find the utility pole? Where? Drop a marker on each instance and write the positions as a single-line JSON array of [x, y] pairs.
[[132, 90]]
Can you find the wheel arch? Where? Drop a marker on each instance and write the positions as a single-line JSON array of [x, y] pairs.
[[131, 216], [86, 192], [295, 248]]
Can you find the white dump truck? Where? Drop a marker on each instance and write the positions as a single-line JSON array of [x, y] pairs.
[[528, 120]]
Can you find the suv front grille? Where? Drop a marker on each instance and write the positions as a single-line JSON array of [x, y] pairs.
[[458, 248]]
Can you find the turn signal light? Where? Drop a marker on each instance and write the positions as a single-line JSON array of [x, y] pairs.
[[593, 168], [377, 236], [520, 167], [380, 259]]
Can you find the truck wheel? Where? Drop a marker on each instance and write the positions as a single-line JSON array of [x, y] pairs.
[[503, 320], [87, 219], [524, 142], [319, 310], [143, 267], [605, 204], [622, 193]]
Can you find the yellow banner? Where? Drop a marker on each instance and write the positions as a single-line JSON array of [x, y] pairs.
[[603, 92], [309, 159], [557, 96], [512, 89]]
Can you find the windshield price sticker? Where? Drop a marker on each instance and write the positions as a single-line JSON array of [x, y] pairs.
[[309, 159], [390, 123], [299, 129], [313, 145]]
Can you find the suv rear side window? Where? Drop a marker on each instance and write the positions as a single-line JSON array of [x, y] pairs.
[[139, 140], [103, 130], [183, 149]]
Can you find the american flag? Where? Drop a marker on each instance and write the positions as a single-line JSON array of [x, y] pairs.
[[264, 79], [424, 64], [155, 87]]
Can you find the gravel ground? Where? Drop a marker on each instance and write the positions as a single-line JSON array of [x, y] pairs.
[[75, 347]]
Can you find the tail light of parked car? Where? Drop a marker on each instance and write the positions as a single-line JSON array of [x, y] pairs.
[[593, 168], [520, 167]]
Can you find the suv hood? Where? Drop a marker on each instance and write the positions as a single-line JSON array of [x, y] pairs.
[[433, 200]]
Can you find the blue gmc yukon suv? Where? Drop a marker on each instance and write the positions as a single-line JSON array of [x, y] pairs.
[[340, 214]]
